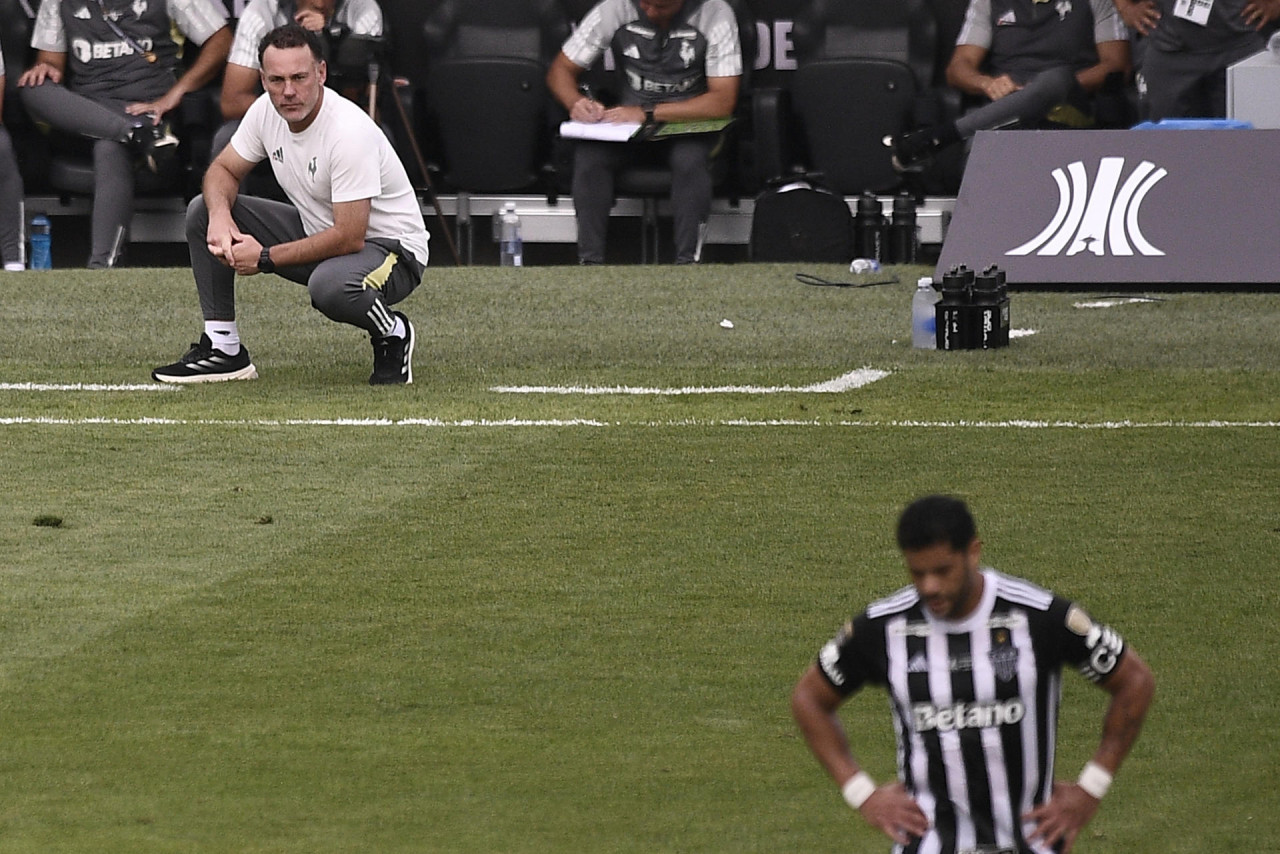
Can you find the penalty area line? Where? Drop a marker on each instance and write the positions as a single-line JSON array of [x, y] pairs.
[[845, 382]]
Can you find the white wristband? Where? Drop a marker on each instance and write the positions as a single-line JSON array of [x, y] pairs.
[[1095, 780], [857, 789]]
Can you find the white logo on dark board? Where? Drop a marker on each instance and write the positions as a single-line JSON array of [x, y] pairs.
[[1102, 219]]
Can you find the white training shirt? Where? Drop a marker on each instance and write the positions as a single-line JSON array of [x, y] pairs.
[[260, 17], [341, 157]]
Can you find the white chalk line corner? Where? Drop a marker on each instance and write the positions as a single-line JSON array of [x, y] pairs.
[[845, 382]]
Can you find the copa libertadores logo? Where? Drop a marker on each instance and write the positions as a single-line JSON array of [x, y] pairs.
[[1102, 219]]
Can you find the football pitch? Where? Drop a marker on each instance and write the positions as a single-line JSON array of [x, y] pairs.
[[553, 597]]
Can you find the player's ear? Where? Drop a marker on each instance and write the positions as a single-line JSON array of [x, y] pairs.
[[323, 71], [974, 552]]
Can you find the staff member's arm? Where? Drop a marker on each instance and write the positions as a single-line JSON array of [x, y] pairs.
[[212, 59], [890, 808], [717, 102], [242, 251], [1073, 805]]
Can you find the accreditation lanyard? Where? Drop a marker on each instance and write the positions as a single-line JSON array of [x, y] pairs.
[[115, 28]]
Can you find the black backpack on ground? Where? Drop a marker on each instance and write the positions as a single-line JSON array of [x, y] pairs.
[[798, 220]]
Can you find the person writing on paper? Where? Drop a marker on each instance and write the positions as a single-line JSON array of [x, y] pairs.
[[680, 60]]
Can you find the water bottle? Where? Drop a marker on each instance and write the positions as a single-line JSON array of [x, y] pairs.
[[991, 300], [41, 243], [954, 310], [512, 242], [924, 315], [868, 228], [904, 242]]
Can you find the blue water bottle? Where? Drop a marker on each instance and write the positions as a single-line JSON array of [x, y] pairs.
[[41, 243]]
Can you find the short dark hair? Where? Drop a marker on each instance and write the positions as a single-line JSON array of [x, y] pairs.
[[291, 35], [936, 519]]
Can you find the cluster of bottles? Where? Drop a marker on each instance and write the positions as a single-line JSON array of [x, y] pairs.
[[972, 311], [886, 240]]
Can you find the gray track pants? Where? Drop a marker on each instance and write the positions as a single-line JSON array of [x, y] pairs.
[[1183, 84], [11, 193], [1037, 97], [108, 124], [354, 289], [594, 165]]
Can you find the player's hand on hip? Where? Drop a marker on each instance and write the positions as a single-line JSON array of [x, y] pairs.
[[1063, 816], [891, 809]]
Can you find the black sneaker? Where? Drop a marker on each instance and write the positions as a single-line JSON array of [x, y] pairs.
[[911, 152], [155, 146], [393, 357], [205, 364]]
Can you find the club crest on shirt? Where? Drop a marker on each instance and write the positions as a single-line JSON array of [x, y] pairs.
[[687, 53], [1003, 656]]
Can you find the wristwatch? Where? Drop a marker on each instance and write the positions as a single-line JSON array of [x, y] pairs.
[[265, 264], [648, 115]]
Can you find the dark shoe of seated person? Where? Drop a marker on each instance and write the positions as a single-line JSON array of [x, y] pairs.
[[912, 151], [153, 145]]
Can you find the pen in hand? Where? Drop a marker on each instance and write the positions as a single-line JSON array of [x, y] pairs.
[[587, 108]]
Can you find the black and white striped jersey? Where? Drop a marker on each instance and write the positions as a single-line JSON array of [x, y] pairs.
[[975, 703]]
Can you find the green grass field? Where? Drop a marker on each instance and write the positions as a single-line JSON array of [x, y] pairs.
[[306, 615]]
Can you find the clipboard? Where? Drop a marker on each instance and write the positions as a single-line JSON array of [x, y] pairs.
[[636, 132]]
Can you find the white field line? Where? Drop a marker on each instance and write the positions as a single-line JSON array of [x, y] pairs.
[[1112, 302], [86, 387], [1017, 424], [844, 382]]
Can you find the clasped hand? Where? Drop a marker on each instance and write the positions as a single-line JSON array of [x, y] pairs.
[[237, 250]]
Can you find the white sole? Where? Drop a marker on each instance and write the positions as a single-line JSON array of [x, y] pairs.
[[246, 373]]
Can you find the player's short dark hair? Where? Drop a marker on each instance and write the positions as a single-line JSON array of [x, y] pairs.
[[936, 519], [289, 35]]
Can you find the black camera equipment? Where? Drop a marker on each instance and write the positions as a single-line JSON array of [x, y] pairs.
[[355, 53]]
